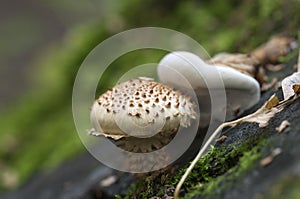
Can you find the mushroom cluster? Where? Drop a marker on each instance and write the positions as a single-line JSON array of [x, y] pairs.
[[141, 115]]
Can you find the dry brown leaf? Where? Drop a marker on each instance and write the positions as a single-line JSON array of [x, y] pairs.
[[244, 63], [265, 113], [272, 102], [275, 48], [296, 88], [282, 126]]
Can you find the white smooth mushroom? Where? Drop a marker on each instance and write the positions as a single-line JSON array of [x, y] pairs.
[[141, 108], [242, 90]]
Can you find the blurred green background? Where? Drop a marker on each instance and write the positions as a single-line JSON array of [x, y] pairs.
[[44, 42]]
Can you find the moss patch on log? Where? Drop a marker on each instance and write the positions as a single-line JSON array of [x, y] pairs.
[[215, 171]]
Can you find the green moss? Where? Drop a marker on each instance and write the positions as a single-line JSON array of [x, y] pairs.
[[214, 172], [144, 188], [232, 166]]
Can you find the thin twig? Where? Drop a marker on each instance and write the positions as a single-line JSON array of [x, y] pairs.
[[206, 145], [202, 150], [267, 106]]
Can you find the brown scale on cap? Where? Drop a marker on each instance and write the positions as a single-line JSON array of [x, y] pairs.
[[141, 109]]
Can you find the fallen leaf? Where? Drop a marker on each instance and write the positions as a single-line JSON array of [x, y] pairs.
[[244, 63], [296, 88], [265, 113], [275, 48], [282, 126], [272, 102]]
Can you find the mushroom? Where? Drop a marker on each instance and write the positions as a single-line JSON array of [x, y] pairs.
[[242, 90], [141, 114]]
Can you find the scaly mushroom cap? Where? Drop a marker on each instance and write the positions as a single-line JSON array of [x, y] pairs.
[[140, 108]]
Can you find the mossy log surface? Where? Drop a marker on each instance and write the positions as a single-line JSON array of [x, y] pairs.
[[39, 142], [231, 169]]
